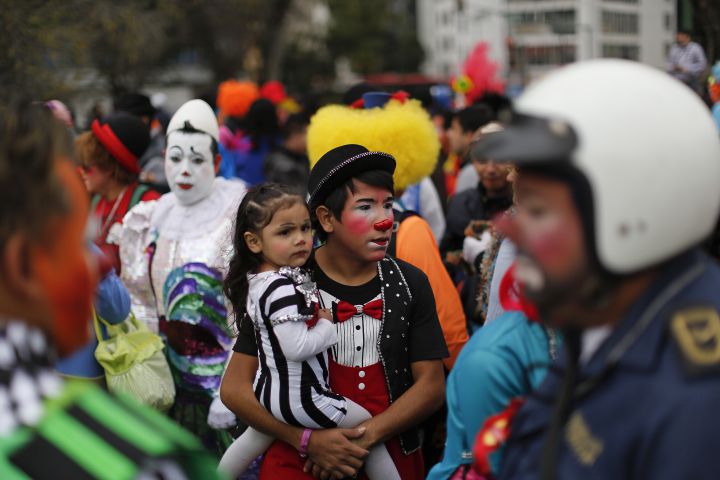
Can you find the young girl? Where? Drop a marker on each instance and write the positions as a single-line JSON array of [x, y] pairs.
[[264, 284]]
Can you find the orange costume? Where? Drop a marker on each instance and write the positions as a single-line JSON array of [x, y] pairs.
[[416, 245]]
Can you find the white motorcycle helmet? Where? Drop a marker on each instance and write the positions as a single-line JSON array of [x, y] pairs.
[[645, 144]]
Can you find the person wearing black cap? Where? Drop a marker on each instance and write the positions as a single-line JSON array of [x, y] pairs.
[[152, 162], [607, 235], [108, 156], [388, 361]]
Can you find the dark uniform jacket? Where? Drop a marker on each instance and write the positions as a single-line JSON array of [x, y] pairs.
[[647, 404], [473, 204]]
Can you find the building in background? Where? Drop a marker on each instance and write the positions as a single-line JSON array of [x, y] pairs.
[[529, 37]]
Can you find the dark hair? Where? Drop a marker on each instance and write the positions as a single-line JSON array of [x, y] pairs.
[[254, 213], [31, 140], [474, 117], [188, 128], [261, 123], [335, 201], [497, 102], [295, 123]]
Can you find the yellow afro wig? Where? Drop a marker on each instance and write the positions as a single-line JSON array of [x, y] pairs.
[[403, 130], [234, 98]]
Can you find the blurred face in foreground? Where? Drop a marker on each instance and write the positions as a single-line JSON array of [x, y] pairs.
[[62, 266], [552, 261]]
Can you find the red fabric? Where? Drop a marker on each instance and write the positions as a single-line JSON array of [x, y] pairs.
[[273, 91], [102, 210], [282, 461], [346, 310], [493, 434], [512, 298], [116, 148], [401, 96]]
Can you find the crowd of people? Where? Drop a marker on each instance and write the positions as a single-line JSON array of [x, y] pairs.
[[376, 288]]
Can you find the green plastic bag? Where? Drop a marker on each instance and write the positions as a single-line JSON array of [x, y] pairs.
[[134, 362]]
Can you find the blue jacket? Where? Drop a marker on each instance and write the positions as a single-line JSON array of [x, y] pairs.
[[502, 360], [646, 404], [245, 165]]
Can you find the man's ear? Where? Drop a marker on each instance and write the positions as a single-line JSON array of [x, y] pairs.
[[17, 271], [218, 159], [253, 242], [325, 218]]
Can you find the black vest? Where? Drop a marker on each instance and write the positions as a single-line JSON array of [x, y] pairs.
[[393, 346]]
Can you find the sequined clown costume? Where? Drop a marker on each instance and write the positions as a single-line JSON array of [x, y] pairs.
[[198, 339], [174, 252]]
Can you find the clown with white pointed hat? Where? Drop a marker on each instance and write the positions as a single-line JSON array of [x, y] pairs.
[[173, 252]]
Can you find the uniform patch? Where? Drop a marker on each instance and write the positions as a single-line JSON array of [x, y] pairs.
[[697, 334], [586, 446]]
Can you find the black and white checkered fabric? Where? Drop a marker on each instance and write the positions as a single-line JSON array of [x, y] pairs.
[[26, 376]]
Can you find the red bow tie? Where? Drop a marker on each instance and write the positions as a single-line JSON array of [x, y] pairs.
[[346, 310]]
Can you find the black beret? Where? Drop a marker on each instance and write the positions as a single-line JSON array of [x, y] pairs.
[[125, 136]]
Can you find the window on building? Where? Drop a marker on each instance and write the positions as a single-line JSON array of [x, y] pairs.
[[554, 21], [542, 55], [668, 21], [618, 22], [628, 52]]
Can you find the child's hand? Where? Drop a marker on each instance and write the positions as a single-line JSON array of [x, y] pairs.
[[325, 313]]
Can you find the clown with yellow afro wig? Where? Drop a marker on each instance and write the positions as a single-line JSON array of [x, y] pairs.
[[402, 128]]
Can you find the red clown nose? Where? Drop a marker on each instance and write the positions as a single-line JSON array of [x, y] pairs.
[[384, 226]]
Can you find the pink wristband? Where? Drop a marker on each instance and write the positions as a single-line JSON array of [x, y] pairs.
[[304, 441]]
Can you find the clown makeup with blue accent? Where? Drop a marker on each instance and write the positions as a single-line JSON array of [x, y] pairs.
[[189, 166]]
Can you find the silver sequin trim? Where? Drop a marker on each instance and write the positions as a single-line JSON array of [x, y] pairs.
[[290, 318]]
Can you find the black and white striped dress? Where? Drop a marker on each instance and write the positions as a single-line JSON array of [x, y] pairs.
[[292, 382]]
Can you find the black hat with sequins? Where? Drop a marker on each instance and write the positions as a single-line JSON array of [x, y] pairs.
[[340, 165]]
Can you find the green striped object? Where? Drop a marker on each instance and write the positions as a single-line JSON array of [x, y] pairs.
[[87, 434]]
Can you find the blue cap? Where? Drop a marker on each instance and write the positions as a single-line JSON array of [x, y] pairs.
[[375, 99]]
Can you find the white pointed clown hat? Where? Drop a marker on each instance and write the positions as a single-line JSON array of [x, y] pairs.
[[197, 114]]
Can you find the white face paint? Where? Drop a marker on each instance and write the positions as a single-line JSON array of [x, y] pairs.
[[189, 166]]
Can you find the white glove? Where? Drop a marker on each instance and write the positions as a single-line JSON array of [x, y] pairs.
[[472, 247], [219, 416]]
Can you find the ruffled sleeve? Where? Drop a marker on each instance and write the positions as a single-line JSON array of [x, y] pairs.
[[135, 238]]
